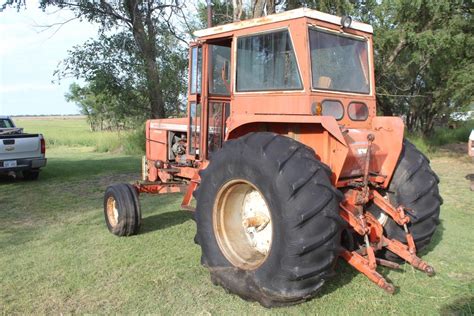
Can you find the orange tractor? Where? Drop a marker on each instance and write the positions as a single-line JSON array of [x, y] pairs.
[[289, 165]]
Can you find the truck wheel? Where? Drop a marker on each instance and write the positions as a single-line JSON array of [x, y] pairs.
[[122, 210], [415, 186], [267, 219], [30, 174]]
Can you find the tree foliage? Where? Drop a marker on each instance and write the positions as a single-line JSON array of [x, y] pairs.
[[137, 52], [110, 66], [424, 59]]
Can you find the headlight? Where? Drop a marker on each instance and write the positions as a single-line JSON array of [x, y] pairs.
[[346, 21]]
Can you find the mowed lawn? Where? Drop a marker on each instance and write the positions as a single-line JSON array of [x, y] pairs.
[[57, 256]]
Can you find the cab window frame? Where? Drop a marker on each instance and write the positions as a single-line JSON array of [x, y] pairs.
[[365, 39], [236, 57]]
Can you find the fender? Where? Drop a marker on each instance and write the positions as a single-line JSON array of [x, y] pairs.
[[322, 133]]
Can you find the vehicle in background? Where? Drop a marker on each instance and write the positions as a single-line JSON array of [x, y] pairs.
[[19, 151]]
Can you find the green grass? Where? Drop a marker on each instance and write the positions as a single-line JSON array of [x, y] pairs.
[[74, 132], [57, 256], [443, 136]]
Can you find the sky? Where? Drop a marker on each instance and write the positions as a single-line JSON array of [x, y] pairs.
[[29, 55]]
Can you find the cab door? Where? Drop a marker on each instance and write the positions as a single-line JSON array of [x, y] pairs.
[[217, 101], [194, 101]]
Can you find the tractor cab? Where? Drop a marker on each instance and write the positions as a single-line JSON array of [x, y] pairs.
[[302, 62]]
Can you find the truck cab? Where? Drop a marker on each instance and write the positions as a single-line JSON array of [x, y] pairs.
[[19, 151]]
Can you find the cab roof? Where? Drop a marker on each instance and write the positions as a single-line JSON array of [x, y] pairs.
[[288, 15]]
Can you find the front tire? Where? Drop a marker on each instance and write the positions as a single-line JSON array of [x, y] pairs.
[[289, 197], [122, 210]]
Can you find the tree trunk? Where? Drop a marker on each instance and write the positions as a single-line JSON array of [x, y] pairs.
[[237, 14], [270, 7], [146, 43], [258, 8]]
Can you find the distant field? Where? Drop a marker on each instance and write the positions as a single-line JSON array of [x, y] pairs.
[[51, 117], [57, 256], [74, 132]]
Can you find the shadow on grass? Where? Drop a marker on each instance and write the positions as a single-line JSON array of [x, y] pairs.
[[61, 168], [435, 240], [344, 273], [5, 178], [461, 306], [77, 168], [164, 220]]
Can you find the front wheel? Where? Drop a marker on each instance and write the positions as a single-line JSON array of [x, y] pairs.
[[122, 210], [267, 219]]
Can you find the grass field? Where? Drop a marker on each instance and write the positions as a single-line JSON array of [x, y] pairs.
[[75, 132], [56, 255]]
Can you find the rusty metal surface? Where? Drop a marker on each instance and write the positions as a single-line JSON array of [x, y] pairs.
[[160, 188], [367, 226]]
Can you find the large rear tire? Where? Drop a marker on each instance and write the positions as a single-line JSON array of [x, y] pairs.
[[289, 197], [415, 186]]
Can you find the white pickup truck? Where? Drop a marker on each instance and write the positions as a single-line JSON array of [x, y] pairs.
[[20, 151]]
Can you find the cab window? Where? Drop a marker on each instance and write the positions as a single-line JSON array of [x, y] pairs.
[[339, 62], [219, 82], [267, 62], [196, 62], [6, 123]]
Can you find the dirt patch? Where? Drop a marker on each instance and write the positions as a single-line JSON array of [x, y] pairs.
[[458, 149]]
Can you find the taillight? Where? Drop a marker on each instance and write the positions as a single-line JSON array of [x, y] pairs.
[[358, 111], [43, 146]]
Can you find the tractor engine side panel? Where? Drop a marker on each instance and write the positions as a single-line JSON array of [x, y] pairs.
[[160, 137], [156, 148]]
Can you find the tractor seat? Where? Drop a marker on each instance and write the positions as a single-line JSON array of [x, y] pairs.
[[324, 82]]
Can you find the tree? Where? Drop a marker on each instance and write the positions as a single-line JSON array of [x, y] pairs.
[[147, 21], [111, 68], [222, 13], [97, 105], [424, 59], [338, 7]]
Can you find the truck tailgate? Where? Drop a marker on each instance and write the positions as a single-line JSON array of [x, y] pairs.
[[19, 146]]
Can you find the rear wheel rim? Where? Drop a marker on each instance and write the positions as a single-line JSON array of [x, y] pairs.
[[242, 224], [112, 212]]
